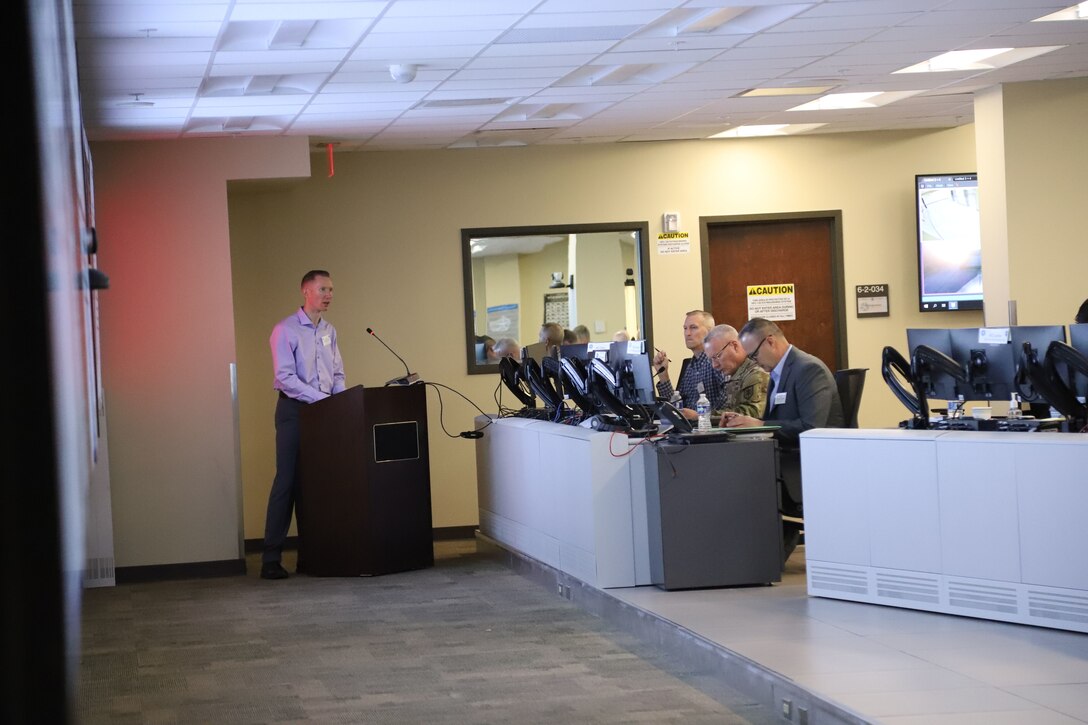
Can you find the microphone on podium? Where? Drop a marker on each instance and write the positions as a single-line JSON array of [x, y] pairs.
[[408, 379]]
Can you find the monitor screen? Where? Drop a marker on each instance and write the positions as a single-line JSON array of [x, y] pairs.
[[949, 242], [936, 384], [991, 367], [634, 376]]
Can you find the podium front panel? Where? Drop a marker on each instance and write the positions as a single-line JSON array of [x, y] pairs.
[[364, 478]]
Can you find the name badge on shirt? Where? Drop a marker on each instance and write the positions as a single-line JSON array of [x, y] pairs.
[[779, 398], [326, 340]]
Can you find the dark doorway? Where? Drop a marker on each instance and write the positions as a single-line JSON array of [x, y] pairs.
[[803, 249]]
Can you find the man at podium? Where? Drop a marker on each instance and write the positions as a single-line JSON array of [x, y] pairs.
[[307, 367]]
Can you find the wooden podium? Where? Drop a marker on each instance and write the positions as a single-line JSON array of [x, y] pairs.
[[364, 500]]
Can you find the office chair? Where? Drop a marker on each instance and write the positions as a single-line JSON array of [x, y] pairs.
[[850, 382]]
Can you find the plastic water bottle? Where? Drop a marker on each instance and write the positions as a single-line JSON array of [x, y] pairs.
[[1014, 407], [702, 407]]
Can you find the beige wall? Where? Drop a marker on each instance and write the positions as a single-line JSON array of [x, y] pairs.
[[388, 227], [535, 271], [598, 284], [503, 287], [167, 327], [1046, 173]]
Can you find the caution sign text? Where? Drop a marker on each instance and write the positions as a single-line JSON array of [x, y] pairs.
[[772, 301]]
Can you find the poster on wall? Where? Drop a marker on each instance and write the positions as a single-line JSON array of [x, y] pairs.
[[772, 301], [557, 308], [502, 321]]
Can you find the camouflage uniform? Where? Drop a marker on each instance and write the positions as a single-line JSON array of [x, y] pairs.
[[745, 391]]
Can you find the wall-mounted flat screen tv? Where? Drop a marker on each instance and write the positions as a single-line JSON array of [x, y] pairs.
[[949, 242]]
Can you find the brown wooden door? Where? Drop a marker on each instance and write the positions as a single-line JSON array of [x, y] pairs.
[[768, 250]]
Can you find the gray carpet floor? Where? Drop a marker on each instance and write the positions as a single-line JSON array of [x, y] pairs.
[[468, 641]]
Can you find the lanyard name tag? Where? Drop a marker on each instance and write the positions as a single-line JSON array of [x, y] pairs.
[[779, 398], [326, 340]]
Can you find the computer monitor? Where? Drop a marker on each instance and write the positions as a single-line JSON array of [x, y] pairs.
[[542, 386], [932, 370], [1078, 340], [1039, 336], [549, 368], [949, 242], [536, 351], [575, 376], [579, 350], [936, 383], [603, 384], [990, 366], [631, 362], [1047, 380], [510, 371]]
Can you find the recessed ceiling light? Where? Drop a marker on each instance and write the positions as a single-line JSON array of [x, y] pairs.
[[773, 129], [1077, 12], [981, 59], [795, 91], [841, 101]]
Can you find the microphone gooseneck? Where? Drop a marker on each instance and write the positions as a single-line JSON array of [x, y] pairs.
[[375, 336]]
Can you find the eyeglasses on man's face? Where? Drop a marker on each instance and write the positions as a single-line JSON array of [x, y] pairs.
[[717, 357], [755, 353]]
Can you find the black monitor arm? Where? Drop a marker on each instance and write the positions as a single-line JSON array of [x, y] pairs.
[[1046, 380], [510, 371], [926, 359], [895, 369]]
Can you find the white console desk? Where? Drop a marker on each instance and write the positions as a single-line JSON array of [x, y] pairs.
[[567, 497], [987, 525]]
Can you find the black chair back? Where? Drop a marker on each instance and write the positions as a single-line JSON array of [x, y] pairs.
[[850, 382]]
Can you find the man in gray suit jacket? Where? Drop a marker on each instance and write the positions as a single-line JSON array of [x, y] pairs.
[[801, 395]]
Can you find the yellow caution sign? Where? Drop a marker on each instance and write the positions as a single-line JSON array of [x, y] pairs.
[[772, 301]]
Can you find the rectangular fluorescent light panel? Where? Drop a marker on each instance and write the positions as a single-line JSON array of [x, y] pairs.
[[773, 129], [797, 91], [1077, 12], [838, 101], [982, 59]]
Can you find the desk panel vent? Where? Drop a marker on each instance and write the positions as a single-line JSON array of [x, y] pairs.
[[909, 588], [99, 572], [1064, 607], [982, 597], [837, 579]]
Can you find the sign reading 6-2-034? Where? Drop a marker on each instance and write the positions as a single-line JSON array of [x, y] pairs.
[[872, 300]]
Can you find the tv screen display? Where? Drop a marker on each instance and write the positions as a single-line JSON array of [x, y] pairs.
[[949, 242]]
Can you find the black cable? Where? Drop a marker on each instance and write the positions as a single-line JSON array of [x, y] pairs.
[[475, 433]]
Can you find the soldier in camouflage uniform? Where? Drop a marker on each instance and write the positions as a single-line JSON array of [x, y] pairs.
[[745, 381]]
